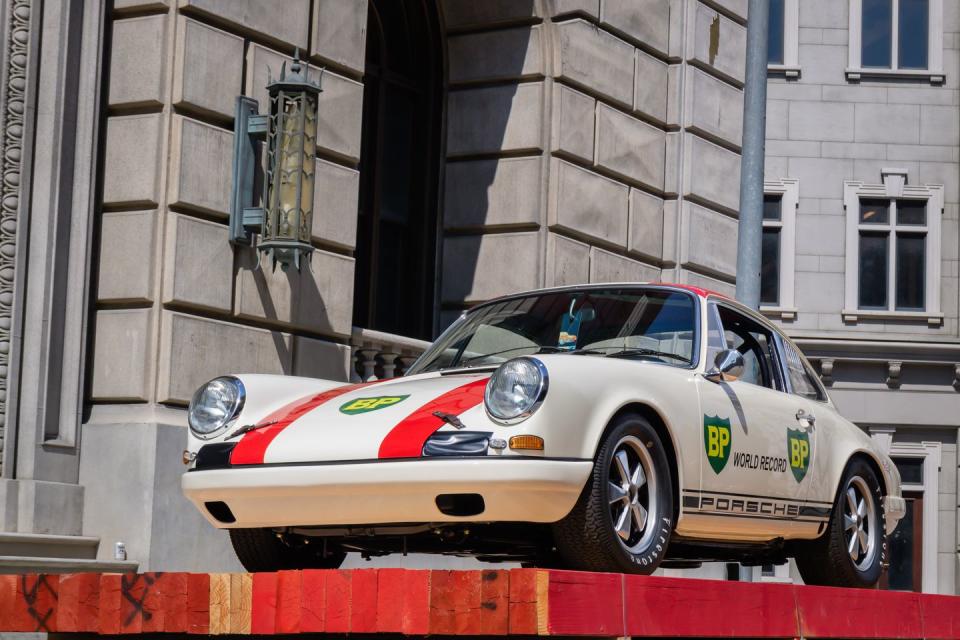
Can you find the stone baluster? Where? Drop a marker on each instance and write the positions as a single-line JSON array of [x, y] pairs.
[[389, 360]]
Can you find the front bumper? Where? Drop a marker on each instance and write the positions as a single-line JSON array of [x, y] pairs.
[[388, 492]]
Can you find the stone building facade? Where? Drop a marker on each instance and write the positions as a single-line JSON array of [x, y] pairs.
[[465, 149], [854, 132]]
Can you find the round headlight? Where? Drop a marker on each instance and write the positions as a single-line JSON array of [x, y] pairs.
[[516, 389], [214, 406]]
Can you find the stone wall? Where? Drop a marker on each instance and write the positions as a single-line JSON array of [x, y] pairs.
[[591, 141]]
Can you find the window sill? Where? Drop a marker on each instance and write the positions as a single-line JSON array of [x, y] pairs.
[[933, 77], [788, 70], [781, 313], [932, 319]]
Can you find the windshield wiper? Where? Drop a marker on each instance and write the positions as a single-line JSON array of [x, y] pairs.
[[626, 353], [545, 349]]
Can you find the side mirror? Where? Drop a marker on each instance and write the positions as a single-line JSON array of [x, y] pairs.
[[727, 366]]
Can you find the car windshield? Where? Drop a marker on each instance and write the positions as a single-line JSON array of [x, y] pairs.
[[656, 325]]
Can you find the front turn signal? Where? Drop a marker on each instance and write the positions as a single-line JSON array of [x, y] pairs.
[[527, 442]]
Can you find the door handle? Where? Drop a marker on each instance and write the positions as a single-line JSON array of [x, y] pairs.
[[810, 419]]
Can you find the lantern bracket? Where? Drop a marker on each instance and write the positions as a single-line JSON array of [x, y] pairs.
[[251, 130]]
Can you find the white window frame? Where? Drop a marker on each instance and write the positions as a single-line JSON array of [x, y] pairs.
[[930, 452], [791, 42], [894, 186], [789, 192], [934, 71]]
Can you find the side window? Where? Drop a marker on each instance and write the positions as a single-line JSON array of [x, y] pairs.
[[755, 342], [801, 380]]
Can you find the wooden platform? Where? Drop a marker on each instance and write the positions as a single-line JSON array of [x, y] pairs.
[[479, 603]]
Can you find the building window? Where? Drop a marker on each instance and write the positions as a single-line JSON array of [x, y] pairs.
[[783, 41], [777, 251], [896, 37], [894, 267], [399, 170]]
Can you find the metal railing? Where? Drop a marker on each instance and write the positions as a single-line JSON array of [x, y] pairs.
[[377, 355]]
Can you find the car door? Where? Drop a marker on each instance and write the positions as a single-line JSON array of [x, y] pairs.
[[745, 467]]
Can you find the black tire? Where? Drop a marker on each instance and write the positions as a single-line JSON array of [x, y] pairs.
[[262, 550], [587, 537], [826, 560]]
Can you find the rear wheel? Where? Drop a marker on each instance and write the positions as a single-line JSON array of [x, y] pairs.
[[853, 550], [624, 517], [265, 550]]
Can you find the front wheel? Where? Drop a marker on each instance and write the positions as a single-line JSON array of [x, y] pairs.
[[624, 517], [853, 550], [265, 550]]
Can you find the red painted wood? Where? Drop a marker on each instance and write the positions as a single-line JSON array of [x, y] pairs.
[[132, 597], [8, 596], [940, 616], [416, 604], [523, 602], [441, 602], [708, 608], [263, 617], [363, 601], [313, 592], [289, 603], [337, 603], [35, 603], [826, 612], [406, 440], [466, 601], [580, 603], [494, 602], [110, 599], [154, 607], [78, 604], [174, 594], [198, 603], [391, 600]]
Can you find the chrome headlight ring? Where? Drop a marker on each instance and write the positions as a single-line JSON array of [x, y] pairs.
[[215, 405], [516, 390]]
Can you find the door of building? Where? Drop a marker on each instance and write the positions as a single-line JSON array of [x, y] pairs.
[[906, 548]]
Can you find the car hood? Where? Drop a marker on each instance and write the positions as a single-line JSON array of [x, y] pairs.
[[367, 421]]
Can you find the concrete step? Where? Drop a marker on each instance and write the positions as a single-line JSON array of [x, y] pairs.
[[48, 546], [36, 564]]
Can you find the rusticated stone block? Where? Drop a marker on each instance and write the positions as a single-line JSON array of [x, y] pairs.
[[712, 173], [562, 7], [718, 42], [319, 359], [568, 261], [652, 87], [126, 255], [201, 166], [714, 106], [194, 350], [492, 119], [466, 13], [209, 68], [340, 32], [495, 55], [708, 240], [335, 204], [645, 20], [198, 268], [284, 21], [573, 122], [595, 59], [318, 298], [136, 61], [610, 267], [132, 162], [492, 192], [630, 147], [588, 203], [483, 267], [739, 9], [121, 356], [646, 224]]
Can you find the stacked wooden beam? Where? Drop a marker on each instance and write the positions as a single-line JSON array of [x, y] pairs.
[[478, 603]]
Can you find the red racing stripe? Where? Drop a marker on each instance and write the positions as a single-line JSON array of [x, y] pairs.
[[406, 440], [253, 445]]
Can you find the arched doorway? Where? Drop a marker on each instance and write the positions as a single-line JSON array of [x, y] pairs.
[[394, 288]]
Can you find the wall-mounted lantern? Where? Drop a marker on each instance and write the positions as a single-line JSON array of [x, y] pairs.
[[285, 220]]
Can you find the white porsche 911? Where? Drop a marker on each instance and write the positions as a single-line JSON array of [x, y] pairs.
[[615, 427]]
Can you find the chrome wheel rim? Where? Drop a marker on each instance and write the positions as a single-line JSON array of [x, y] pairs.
[[632, 491], [860, 525]]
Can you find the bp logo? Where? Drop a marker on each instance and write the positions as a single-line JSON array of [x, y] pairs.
[[798, 451], [716, 440], [362, 405]]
